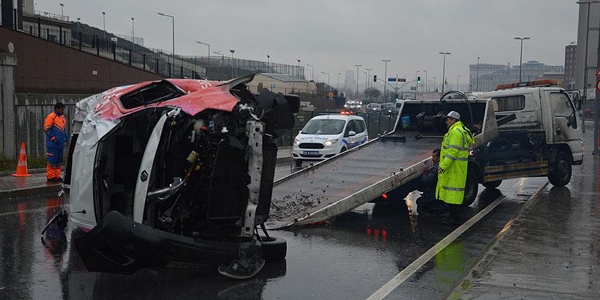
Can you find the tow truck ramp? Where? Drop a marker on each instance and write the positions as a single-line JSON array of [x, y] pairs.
[[350, 179]]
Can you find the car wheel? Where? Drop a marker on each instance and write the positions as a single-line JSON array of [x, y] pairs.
[[492, 184], [561, 169], [343, 150], [274, 249], [471, 188]]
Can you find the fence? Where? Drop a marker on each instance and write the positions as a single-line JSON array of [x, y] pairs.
[[130, 50], [378, 123]]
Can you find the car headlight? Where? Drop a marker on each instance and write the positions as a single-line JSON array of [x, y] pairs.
[[330, 142], [296, 141]]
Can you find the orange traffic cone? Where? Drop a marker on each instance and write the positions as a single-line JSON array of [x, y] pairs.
[[22, 165]]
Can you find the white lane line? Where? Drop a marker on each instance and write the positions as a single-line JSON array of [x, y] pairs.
[[387, 288]]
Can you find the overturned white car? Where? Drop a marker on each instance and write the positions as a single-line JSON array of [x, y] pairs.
[[176, 171]]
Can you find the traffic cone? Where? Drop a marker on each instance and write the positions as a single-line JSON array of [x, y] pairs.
[[22, 165]]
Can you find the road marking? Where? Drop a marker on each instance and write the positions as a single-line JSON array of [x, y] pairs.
[[387, 288]]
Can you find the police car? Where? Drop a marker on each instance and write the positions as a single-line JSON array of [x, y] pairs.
[[325, 136]]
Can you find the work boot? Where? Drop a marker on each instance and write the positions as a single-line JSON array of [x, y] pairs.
[[454, 217]]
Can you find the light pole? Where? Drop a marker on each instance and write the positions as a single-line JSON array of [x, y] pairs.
[[61, 10], [312, 72], [385, 78], [205, 44], [222, 64], [173, 56], [132, 33], [434, 89], [104, 25], [457, 78], [356, 95], [477, 80], [299, 68], [444, 70], [232, 62], [369, 80], [521, 55], [416, 84], [268, 62], [327, 79]]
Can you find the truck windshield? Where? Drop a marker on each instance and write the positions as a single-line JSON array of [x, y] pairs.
[[324, 126]]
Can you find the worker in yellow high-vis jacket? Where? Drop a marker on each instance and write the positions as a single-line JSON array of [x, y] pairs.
[[452, 172]]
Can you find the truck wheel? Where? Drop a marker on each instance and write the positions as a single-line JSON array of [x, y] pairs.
[[561, 169], [492, 184], [274, 249], [298, 163], [471, 188]]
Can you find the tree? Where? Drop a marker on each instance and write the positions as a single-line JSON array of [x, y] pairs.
[[372, 93]]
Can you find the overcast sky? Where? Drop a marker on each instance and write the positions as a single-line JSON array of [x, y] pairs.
[[334, 35]]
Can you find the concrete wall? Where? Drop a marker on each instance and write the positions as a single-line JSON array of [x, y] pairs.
[[7, 116]]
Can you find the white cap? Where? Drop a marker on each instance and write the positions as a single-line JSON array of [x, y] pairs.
[[454, 115]]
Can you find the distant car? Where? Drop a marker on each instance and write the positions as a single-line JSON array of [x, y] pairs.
[[373, 107], [389, 108], [325, 136]]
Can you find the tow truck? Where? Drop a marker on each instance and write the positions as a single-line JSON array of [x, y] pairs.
[[528, 130]]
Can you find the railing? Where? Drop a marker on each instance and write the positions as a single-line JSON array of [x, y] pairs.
[[164, 63]]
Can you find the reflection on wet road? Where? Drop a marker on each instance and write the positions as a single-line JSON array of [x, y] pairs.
[[347, 258]]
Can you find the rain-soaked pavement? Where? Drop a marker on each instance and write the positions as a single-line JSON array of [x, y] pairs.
[[546, 247]]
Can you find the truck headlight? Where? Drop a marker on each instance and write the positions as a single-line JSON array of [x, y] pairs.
[[330, 142]]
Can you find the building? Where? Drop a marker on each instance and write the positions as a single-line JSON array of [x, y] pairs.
[[570, 66], [281, 83], [587, 39], [489, 76]]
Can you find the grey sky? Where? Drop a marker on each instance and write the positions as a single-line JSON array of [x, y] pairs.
[[334, 35]]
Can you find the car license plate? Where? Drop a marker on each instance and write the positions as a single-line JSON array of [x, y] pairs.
[[311, 153]]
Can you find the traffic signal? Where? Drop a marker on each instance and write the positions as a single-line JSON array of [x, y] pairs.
[[374, 78], [418, 79]]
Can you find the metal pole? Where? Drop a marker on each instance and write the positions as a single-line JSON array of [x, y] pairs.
[[477, 81], [444, 71], [369, 80], [356, 94], [132, 33], [597, 95], [521, 61], [385, 79], [103, 25], [585, 67]]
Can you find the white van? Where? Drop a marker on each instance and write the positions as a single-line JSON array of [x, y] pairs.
[[327, 135]]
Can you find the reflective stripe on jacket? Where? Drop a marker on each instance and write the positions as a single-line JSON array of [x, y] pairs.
[[454, 159]]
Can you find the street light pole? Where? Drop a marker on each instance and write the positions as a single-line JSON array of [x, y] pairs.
[[477, 80], [369, 80], [444, 70], [103, 25], [232, 63], [434, 89], [327, 79], [416, 84], [356, 94], [222, 64], [173, 56], [312, 72], [521, 55], [61, 10], [132, 34], [268, 62], [205, 44], [385, 78], [299, 68]]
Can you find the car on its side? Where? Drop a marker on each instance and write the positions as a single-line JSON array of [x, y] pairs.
[[325, 136]]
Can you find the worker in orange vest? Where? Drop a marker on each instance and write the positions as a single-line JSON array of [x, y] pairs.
[[55, 128]]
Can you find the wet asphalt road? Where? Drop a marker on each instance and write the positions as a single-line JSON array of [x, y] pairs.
[[347, 258]]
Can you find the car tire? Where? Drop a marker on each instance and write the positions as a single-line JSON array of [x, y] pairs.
[[471, 188], [343, 150], [274, 249], [561, 169], [492, 184]]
